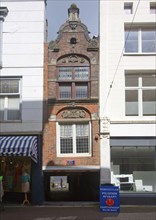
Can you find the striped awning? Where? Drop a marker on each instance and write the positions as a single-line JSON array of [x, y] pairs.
[[19, 146]]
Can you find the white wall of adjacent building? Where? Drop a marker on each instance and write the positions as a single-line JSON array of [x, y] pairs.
[[23, 57], [114, 62], [128, 128]]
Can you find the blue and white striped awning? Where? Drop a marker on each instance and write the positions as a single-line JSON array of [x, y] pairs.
[[19, 146]]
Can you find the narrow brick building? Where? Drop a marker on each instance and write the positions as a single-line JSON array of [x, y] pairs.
[[71, 157]]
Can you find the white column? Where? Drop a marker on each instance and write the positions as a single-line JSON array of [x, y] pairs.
[[105, 176]]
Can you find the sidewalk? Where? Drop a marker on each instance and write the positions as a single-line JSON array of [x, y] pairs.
[[73, 204], [81, 211]]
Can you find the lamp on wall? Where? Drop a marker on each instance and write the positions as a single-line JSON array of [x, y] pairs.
[[96, 137]]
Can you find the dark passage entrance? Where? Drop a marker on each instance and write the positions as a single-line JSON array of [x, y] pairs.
[[71, 186]]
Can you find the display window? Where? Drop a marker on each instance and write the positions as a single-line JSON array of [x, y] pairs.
[[133, 168], [16, 173]]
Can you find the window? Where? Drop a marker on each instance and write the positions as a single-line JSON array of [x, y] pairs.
[[9, 99], [133, 168], [74, 139], [153, 8], [73, 40], [0, 44], [128, 8], [3, 13], [140, 94], [73, 82], [140, 40], [11, 166]]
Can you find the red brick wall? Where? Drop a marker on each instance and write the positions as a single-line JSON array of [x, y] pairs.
[[54, 106]]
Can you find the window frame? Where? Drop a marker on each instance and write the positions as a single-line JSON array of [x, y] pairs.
[[152, 7], [1, 28], [140, 88], [140, 46], [74, 154], [6, 96], [74, 83], [3, 13], [128, 8]]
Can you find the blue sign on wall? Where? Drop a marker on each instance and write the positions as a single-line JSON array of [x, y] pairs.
[[109, 199]]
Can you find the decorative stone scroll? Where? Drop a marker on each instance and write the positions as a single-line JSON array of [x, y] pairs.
[[74, 113], [73, 59]]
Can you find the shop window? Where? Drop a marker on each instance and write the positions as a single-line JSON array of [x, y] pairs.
[[15, 171], [73, 139], [73, 82], [140, 40], [133, 168], [9, 99], [140, 94]]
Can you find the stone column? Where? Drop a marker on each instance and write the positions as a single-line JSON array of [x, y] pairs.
[[105, 172]]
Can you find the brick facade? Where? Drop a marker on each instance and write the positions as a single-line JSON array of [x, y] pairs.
[[64, 51], [74, 49]]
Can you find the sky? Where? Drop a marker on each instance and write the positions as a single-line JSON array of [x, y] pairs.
[[57, 14]]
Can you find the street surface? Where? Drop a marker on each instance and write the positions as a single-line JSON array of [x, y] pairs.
[[76, 213]]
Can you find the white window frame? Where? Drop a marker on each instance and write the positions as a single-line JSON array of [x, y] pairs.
[[1, 27], [140, 88], [139, 39], [128, 8], [74, 154], [3, 13], [152, 7], [6, 98]]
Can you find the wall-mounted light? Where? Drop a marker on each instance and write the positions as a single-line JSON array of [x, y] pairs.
[[96, 137]]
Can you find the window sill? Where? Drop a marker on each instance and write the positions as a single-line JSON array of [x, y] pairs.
[[135, 121], [88, 100], [11, 121], [139, 54], [74, 155]]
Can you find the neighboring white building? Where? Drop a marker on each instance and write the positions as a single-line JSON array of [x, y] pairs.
[[21, 85], [128, 95]]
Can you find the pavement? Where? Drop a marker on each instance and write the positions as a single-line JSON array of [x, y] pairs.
[[75, 211]]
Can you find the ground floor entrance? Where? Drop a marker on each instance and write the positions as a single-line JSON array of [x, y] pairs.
[[71, 185]]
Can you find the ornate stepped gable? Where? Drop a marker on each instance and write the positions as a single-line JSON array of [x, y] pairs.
[[74, 24]]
